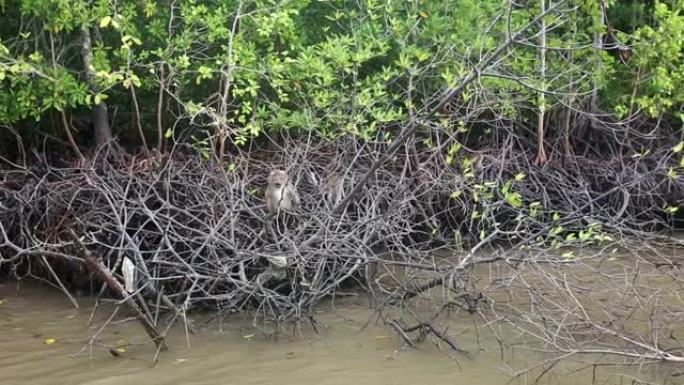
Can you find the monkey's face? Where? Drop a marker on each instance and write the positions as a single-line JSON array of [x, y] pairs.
[[277, 179]]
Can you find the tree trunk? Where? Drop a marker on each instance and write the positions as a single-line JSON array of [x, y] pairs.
[[598, 45], [160, 105], [541, 153], [568, 116], [138, 124], [62, 113], [222, 129], [100, 117], [70, 137]]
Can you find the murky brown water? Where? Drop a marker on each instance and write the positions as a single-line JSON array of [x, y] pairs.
[[343, 353]]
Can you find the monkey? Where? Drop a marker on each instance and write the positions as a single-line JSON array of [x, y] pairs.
[[335, 189], [280, 193], [475, 160]]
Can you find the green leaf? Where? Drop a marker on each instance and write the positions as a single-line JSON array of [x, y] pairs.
[[168, 133], [104, 22], [514, 199], [584, 235], [679, 147], [135, 79], [671, 173], [506, 188], [568, 255], [100, 98], [129, 40], [603, 237]]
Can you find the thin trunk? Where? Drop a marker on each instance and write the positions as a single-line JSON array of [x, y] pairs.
[[62, 113], [598, 45], [70, 137], [566, 129], [541, 154], [567, 146], [136, 113], [103, 133], [160, 105], [221, 127], [161, 142]]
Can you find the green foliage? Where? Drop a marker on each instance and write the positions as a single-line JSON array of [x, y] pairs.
[[330, 68], [30, 87], [657, 65], [659, 57], [333, 67]]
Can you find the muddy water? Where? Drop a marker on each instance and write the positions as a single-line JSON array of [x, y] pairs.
[[342, 352]]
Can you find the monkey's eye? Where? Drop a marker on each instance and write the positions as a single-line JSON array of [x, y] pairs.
[[278, 185]]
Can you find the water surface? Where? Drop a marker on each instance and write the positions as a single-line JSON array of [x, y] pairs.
[[342, 352]]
